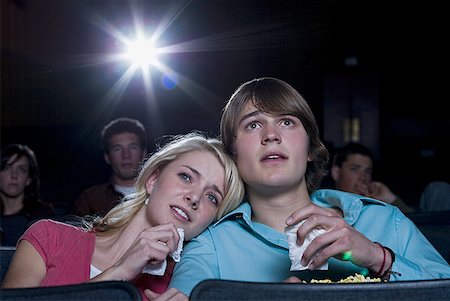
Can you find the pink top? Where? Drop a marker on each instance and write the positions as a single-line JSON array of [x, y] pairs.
[[67, 252]]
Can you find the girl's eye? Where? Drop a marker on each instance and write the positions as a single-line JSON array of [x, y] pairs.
[[212, 198], [23, 171], [186, 177]]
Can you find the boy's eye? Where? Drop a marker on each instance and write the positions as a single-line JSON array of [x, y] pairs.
[[252, 125], [287, 122], [186, 177]]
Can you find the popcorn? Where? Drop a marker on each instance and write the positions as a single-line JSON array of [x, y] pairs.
[[159, 269], [296, 251], [357, 278]]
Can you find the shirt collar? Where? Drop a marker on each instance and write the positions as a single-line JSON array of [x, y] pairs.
[[244, 211], [351, 204]]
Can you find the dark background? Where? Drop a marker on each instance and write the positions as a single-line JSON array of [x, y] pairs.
[[54, 91]]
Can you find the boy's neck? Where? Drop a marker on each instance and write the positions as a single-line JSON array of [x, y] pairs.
[[273, 210]]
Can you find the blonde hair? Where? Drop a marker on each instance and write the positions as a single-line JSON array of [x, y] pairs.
[[122, 214]]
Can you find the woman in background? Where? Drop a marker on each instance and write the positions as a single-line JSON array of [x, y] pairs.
[[20, 202]]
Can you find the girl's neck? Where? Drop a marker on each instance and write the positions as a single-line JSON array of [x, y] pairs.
[[110, 248], [12, 205]]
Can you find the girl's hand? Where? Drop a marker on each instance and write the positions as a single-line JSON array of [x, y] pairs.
[[171, 294], [151, 246]]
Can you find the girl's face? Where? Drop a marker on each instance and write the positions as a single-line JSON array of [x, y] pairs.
[[14, 177], [187, 192]]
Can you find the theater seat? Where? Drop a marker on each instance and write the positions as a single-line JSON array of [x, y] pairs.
[[98, 291], [6, 253], [426, 290], [435, 226]]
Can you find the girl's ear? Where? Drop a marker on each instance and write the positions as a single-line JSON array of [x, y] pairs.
[[233, 150], [149, 184]]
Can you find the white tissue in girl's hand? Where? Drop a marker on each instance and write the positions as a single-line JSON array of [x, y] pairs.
[[176, 255], [160, 269], [296, 251]]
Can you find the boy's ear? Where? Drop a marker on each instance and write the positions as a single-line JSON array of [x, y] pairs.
[[106, 157], [335, 172], [150, 183]]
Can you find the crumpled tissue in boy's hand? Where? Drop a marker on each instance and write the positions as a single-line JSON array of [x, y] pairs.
[[159, 269], [296, 251]]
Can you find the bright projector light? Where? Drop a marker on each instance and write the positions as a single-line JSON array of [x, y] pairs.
[[141, 53]]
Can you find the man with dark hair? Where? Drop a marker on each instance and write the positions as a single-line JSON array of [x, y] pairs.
[[124, 146], [351, 171]]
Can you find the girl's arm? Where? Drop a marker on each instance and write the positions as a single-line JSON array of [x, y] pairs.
[[27, 268]]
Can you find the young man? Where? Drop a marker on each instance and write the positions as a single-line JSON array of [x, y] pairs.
[[124, 144], [352, 172], [271, 132]]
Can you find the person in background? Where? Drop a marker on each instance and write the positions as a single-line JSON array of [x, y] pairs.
[[351, 171], [20, 202], [435, 197], [124, 145], [270, 131], [187, 184]]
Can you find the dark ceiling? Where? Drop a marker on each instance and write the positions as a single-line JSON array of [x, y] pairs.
[[56, 95]]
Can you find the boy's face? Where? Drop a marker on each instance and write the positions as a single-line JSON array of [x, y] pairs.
[[271, 151], [124, 155], [355, 171]]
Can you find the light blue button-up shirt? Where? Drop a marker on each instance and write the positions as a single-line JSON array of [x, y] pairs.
[[236, 248]]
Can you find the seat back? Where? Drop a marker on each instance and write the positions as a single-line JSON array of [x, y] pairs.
[[6, 254], [425, 290], [98, 291], [430, 217], [435, 226], [13, 227]]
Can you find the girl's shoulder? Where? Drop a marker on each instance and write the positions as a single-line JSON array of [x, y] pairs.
[[54, 226]]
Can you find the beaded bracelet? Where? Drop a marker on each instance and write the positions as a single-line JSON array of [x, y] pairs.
[[388, 271], [384, 261]]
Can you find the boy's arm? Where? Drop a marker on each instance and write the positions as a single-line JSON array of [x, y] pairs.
[[198, 263]]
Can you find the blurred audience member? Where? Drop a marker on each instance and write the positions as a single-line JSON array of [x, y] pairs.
[[20, 202], [435, 197], [124, 144], [351, 171]]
